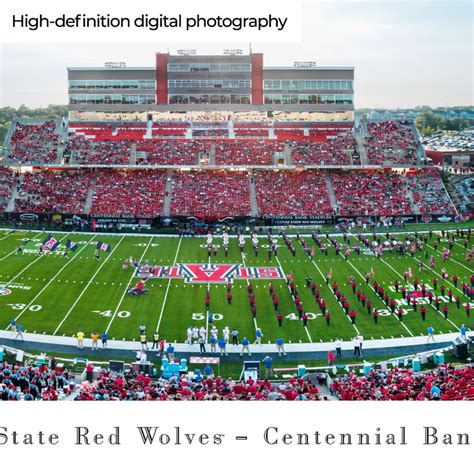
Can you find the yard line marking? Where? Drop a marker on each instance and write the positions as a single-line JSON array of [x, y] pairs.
[[168, 287], [332, 292], [282, 271], [28, 266], [370, 286], [47, 284], [448, 320], [451, 259], [9, 235], [13, 251], [87, 286], [126, 288], [242, 254]]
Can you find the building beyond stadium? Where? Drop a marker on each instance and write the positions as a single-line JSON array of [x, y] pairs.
[[227, 86]]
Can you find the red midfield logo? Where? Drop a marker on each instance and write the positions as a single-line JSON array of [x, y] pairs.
[[5, 291], [210, 273]]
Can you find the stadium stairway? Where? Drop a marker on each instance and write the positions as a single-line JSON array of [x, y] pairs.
[[253, 197], [168, 193], [332, 196], [11, 203], [133, 153], [362, 151], [420, 151], [90, 195], [212, 155], [230, 128]]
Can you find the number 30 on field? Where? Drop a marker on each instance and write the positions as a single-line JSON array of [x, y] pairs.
[[20, 306]]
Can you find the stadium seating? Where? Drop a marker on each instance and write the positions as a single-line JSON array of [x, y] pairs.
[[404, 384], [99, 151], [390, 142], [31, 383], [292, 193], [334, 151], [48, 191], [371, 193], [210, 194], [429, 193], [247, 152], [173, 152], [136, 193], [33, 143], [7, 184], [141, 387]]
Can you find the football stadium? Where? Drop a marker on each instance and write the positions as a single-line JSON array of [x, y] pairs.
[[212, 228]]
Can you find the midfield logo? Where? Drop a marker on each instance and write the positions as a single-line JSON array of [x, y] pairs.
[[210, 273]]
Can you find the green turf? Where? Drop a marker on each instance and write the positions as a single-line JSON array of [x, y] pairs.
[[54, 295]]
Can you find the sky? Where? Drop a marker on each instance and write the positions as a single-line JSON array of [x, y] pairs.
[[405, 54]]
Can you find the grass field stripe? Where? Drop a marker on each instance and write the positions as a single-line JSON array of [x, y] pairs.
[[8, 235], [451, 259], [332, 292], [440, 276], [126, 287], [49, 282], [13, 251], [449, 321], [282, 271], [248, 282], [86, 287], [207, 311], [168, 287], [373, 290], [29, 265]]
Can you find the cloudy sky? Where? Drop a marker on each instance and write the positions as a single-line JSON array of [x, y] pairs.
[[406, 53]]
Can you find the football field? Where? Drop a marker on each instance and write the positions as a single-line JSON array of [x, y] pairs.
[[54, 295]]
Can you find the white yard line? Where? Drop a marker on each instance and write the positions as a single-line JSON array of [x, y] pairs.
[[451, 259], [49, 283], [286, 284], [168, 287], [330, 290], [29, 265], [401, 276], [86, 287], [126, 288], [370, 286], [8, 235], [13, 251]]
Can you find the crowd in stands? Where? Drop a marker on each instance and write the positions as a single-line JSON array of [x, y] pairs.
[[210, 132], [173, 152], [131, 386], [31, 383], [292, 193], [246, 152], [334, 151], [50, 191], [443, 383], [429, 193], [373, 193], [102, 152], [33, 143], [136, 192], [390, 142], [7, 184], [210, 194]]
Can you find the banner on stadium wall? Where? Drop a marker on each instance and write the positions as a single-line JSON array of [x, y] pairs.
[[159, 221], [298, 220]]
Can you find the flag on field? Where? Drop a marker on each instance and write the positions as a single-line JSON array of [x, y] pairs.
[[50, 243], [71, 245], [103, 246]]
